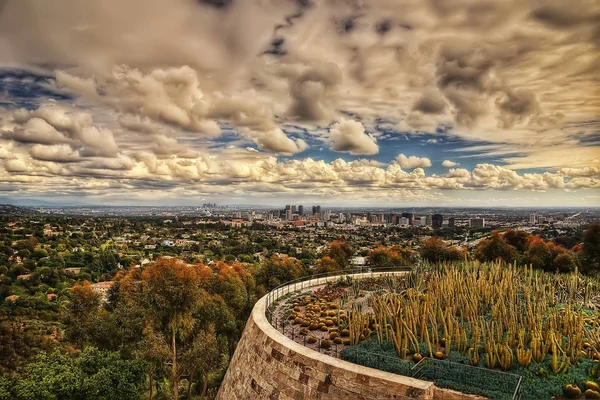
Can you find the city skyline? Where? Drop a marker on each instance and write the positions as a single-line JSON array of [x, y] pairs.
[[389, 104]]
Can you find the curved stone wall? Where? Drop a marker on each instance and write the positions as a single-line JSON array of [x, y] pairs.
[[268, 365]]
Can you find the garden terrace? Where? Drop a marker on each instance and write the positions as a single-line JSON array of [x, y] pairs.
[[495, 330]]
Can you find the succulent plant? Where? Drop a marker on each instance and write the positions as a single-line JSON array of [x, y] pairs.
[[592, 385], [572, 391], [592, 394]]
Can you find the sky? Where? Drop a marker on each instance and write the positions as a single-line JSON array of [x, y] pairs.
[[339, 102]]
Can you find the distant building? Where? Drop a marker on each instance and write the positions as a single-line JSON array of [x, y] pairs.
[[423, 221], [451, 222], [408, 216], [73, 270], [316, 210], [358, 262], [437, 220], [477, 223], [533, 219], [428, 220], [301, 210], [102, 288]]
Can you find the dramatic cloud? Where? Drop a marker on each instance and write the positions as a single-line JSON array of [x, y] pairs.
[[349, 136], [449, 164], [95, 97], [412, 162]]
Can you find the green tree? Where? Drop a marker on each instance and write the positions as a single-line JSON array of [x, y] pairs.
[[94, 375], [495, 248], [435, 250], [591, 249], [206, 354]]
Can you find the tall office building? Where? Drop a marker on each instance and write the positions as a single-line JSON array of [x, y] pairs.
[[533, 219], [408, 216], [317, 210], [451, 222], [477, 223], [293, 209], [301, 210], [437, 220]]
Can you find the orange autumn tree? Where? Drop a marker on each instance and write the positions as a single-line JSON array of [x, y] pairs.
[[278, 269], [335, 257], [81, 313], [391, 256]]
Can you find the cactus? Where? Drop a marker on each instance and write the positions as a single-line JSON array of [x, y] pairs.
[[572, 391], [592, 385], [473, 355]]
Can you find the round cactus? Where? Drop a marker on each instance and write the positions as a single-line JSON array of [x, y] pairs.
[[592, 385], [325, 344], [338, 340], [311, 339], [333, 335], [572, 391], [439, 355], [592, 394], [417, 357]]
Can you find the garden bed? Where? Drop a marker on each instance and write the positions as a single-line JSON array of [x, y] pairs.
[[536, 331]]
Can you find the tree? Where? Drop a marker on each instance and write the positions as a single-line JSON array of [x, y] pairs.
[[340, 251], [278, 269], [564, 262], [495, 248], [205, 355], [327, 264], [539, 254], [81, 313], [591, 249], [392, 256], [94, 375], [169, 293], [435, 250], [517, 239]]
